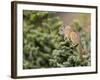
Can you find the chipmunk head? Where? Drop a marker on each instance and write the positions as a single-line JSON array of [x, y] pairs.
[[61, 30], [64, 29]]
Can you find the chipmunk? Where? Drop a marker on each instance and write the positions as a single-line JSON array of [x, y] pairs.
[[69, 33]]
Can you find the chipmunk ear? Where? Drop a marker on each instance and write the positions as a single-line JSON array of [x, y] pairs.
[[61, 30]]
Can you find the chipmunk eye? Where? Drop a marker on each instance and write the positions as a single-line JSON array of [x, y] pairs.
[[61, 30]]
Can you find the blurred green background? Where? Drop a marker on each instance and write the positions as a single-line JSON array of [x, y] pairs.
[[44, 47]]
